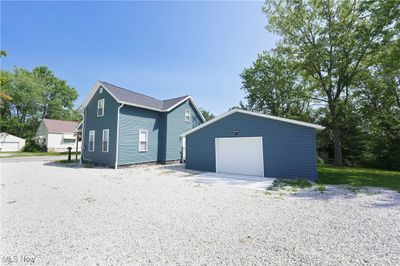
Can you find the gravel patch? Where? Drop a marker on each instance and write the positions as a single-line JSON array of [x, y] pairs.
[[156, 215]]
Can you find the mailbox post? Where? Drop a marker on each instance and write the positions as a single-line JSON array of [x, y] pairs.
[[69, 153]]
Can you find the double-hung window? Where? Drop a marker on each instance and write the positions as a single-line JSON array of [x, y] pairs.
[[143, 140], [187, 115], [100, 107], [91, 140], [106, 142]]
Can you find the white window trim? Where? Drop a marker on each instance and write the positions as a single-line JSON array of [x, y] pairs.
[[92, 132], [108, 140], [189, 117], [98, 107], [147, 140]]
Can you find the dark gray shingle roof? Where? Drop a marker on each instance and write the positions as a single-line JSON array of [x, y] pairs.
[[135, 98]]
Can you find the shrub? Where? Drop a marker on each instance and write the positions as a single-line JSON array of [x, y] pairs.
[[31, 146]]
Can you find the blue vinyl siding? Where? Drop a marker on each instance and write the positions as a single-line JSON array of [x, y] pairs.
[[133, 119], [164, 130], [176, 125], [162, 138], [289, 149], [108, 121]]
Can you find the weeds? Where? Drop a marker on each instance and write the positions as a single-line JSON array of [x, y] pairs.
[[298, 183], [320, 187]]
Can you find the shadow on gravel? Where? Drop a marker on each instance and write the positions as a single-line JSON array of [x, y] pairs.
[[330, 193], [180, 168], [76, 165], [391, 199], [383, 198]]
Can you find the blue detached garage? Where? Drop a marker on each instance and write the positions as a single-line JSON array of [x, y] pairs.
[[248, 143]]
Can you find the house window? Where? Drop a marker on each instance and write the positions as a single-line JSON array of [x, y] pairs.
[[100, 107], [69, 140], [101, 90], [187, 115], [143, 140], [91, 140], [106, 137]]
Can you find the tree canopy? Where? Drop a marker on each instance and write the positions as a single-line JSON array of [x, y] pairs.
[[342, 58], [30, 96]]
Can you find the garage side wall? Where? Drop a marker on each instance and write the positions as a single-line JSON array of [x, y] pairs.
[[289, 150]]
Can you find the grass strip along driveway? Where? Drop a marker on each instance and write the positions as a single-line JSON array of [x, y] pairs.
[[358, 177]]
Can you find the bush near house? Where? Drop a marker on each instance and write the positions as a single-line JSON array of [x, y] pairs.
[[31, 146]]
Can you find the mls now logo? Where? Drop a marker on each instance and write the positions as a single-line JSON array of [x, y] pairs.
[[18, 259]]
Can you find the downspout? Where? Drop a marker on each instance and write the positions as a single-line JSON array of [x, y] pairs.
[[117, 147], [83, 137]]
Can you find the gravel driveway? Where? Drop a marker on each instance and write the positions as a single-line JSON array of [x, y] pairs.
[[159, 215]]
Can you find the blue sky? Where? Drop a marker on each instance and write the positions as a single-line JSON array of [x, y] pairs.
[[162, 49]]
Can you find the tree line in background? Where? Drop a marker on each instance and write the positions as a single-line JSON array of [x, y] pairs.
[[26, 97], [337, 63]]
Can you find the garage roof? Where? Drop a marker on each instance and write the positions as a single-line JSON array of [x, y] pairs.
[[286, 120]]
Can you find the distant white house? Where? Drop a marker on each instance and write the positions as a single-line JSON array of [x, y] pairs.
[[10, 142], [57, 135]]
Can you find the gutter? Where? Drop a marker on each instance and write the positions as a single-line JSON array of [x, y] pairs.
[[117, 147]]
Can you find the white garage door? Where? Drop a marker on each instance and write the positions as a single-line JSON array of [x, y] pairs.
[[9, 146], [239, 156]]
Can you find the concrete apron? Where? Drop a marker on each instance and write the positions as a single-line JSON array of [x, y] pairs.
[[240, 181]]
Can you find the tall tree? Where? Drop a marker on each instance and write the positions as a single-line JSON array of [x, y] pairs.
[[330, 41], [57, 96], [23, 106], [32, 96], [272, 86], [379, 104]]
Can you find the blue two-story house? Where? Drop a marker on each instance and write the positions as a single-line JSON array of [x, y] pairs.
[[122, 127]]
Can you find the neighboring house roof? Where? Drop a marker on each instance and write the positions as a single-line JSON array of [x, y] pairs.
[[60, 126], [128, 97], [5, 136], [296, 122]]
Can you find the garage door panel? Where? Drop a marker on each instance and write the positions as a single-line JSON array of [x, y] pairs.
[[9, 146], [240, 156]]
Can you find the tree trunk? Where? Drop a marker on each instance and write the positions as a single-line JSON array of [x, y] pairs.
[[337, 143]]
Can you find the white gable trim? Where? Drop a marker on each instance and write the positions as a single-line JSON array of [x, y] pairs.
[[92, 92], [76, 128], [98, 84], [193, 103], [291, 121]]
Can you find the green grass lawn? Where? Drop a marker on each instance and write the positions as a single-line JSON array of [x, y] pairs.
[[358, 177], [25, 154]]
